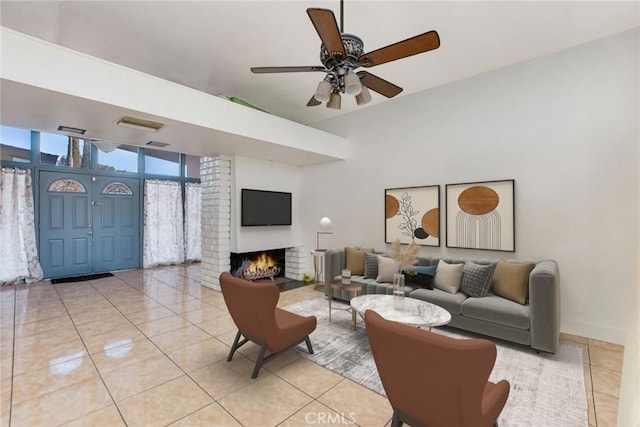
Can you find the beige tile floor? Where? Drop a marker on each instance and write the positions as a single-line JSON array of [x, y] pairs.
[[149, 347]]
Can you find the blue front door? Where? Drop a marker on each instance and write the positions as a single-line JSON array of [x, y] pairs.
[[88, 224], [116, 223]]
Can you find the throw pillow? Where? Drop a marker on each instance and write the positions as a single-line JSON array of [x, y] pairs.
[[448, 277], [355, 260], [424, 269], [419, 280], [386, 269], [370, 266], [511, 280], [476, 279]]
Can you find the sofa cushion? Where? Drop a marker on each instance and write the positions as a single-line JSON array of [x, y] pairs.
[[476, 279], [450, 302], [370, 265], [386, 269], [355, 260], [511, 280], [448, 277], [495, 309], [423, 269]]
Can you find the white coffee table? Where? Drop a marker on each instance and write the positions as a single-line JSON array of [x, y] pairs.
[[415, 312]]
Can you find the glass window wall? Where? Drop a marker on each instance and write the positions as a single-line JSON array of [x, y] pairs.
[[158, 162], [192, 166], [15, 144], [62, 150], [123, 159]]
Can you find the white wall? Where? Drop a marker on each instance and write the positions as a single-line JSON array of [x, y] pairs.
[[264, 175], [629, 407], [564, 126]]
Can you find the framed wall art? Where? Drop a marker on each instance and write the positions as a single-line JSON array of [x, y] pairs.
[[412, 213], [480, 215]]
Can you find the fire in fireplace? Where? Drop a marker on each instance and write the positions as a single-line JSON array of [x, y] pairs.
[[258, 265]]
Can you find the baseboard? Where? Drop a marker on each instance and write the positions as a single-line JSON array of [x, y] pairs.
[[594, 331]]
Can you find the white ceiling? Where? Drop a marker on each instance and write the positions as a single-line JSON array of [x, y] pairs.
[[210, 45]]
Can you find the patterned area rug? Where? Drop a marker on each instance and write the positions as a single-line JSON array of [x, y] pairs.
[[546, 389]]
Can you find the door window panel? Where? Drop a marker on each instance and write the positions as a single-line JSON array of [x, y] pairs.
[[67, 186], [117, 188]]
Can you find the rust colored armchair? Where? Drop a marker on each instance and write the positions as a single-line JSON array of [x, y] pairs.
[[432, 380], [252, 307]]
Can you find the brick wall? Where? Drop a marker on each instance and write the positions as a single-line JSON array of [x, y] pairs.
[[215, 178]]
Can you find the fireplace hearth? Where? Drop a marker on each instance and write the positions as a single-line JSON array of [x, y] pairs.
[[259, 265]]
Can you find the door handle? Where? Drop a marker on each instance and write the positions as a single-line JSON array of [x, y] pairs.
[[90, 232], [94, 203]]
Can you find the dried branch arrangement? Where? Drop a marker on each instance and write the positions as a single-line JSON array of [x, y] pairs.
[[404, 257]]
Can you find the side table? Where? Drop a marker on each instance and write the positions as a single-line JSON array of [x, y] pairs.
[[353, 290]]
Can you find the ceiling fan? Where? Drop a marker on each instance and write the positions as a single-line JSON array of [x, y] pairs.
[[341, 54]]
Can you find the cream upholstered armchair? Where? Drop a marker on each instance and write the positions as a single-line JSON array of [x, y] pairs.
[[252, 307], [432, 380]]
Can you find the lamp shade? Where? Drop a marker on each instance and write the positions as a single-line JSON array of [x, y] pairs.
[[334, 101], [323, 92], [363, 97], [352, 83], [325, 224]]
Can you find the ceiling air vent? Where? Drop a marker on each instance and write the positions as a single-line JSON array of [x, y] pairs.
[[157, 144], [140, 124], [71, 130]]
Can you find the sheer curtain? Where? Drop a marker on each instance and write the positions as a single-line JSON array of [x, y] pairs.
[[18, 250], [163, 224], [192, 240]]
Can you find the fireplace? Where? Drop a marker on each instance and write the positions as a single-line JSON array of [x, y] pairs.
[[259, 265]]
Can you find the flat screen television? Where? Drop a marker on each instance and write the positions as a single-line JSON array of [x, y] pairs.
[[260, 207]]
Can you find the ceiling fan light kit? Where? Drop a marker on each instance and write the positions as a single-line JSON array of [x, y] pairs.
[[352, 84], [341, 54], [334, 101], [324, 91], [363, 97]]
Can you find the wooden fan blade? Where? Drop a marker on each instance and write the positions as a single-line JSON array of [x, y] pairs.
[[379, 85], [313, 102], [325, 23], [263, 70], [412, 46]]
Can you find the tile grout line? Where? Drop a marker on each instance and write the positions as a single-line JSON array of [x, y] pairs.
[[90, 357], [160, 350], [186, 374], [593, 388], [13, 354]]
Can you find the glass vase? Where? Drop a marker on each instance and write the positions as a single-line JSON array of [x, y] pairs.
[[398, 291], [346, 277]]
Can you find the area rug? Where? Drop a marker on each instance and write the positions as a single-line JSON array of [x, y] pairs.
[[546, 389]]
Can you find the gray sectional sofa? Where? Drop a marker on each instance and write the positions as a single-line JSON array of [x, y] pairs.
[[535, 324]]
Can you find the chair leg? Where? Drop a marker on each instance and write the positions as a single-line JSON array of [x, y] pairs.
[[308, 341], [395, 420], [235, 346], [259, 361]]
